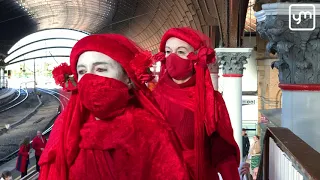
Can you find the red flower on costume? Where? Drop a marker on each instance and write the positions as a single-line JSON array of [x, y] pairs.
[[204, 56], [63, 77], [141, 64], [158, 57]]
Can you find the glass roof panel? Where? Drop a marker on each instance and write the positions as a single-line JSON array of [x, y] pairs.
[[49, 33], [50, 52], [40, 45], [46, 43]]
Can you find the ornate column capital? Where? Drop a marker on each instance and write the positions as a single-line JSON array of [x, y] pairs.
[[232, 60], [298, 50]]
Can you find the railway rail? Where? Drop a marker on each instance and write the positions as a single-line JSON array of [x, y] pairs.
[[22, 95], [63, 100]]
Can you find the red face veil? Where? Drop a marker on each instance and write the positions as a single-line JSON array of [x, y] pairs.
[[103, 96], [179, 68]]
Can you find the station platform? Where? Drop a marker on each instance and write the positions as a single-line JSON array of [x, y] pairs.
[[11, 165]]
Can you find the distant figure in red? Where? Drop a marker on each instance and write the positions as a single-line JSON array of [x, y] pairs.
[[193, 108], [23, 157], [110, 129], [38, 144]]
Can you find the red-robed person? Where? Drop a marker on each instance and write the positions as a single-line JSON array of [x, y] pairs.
[[38, 144], [23, 157], [196, 112], [110, 129]]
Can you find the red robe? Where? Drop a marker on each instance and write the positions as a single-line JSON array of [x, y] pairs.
[[178, 103], [23, 158], [37, 144], [133, 146]]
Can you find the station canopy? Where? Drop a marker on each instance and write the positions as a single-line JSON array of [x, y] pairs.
[[45, 45]]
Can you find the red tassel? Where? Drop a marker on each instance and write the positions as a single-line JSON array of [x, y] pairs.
[[199, 124], [205, 55]]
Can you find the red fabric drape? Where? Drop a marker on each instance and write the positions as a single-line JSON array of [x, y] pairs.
[[178, 104], [134, 146]]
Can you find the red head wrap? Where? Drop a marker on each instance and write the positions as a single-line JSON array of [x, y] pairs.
[[133, 59], [186, 34]]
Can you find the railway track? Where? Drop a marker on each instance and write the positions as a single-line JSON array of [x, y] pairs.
[[63, 100], [22, 95], [32, 173]]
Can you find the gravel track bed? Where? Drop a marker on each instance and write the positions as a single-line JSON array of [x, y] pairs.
[[9, 142]]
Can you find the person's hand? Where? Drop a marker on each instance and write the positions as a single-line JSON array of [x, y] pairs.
[[244, 168], [255, 173]]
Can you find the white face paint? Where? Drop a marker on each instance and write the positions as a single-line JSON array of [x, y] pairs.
[[100, 64], [179, 47]]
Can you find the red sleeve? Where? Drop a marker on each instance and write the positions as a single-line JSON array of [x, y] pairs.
[[229, 169], [224, 128], [166, 162], [50, 169], [225, 150], [220, 150], [49, 152], [47, 160], [48, 172], [44, 172]]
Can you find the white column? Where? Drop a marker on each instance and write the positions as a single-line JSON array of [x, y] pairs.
[[298, 66], [232, 61], [232, 95], [215, 80], [214, 73], [300, 112]]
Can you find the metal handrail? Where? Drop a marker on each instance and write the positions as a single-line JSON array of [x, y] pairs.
[[304, 156]]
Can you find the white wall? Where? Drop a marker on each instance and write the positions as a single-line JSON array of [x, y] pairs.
[[250, 108], [250, 75]]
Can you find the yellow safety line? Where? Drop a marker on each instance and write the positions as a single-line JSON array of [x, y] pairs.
[[28, 171]]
